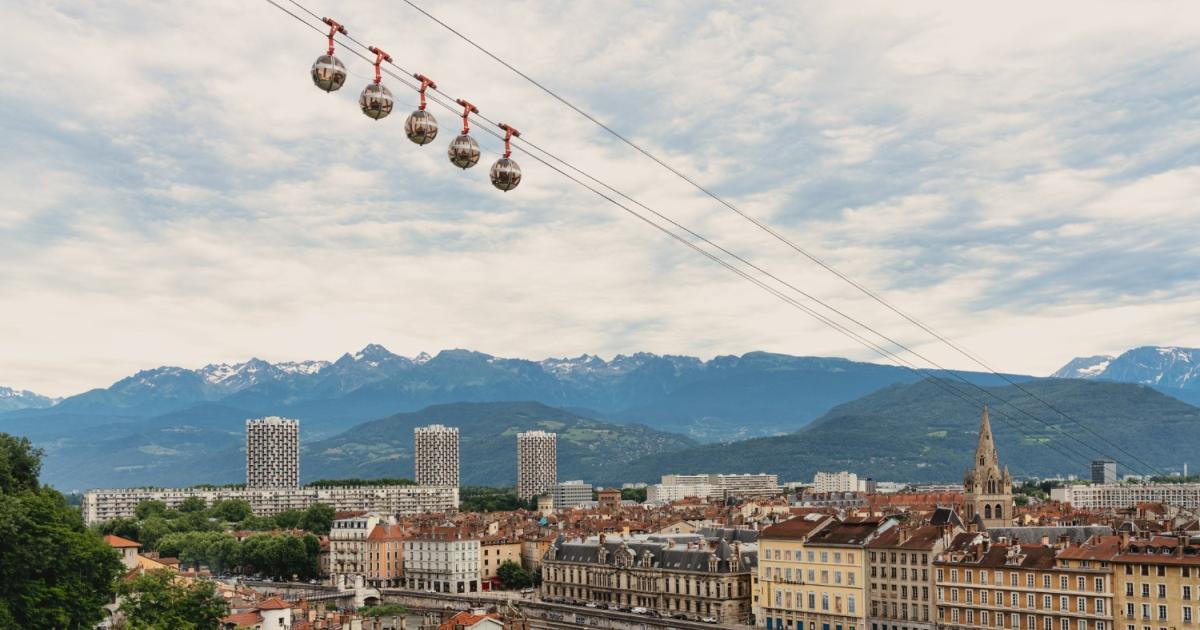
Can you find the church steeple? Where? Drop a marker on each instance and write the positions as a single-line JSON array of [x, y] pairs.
[[988, 487], [985, 452]]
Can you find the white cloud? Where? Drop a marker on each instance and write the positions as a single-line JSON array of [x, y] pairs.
[[1021, 177]]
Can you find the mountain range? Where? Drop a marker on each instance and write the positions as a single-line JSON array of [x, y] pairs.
[[172, 425], [923, 432], [726, 397]]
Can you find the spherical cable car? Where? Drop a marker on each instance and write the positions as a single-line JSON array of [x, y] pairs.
[[376, 100], [421, 127], [505, 174], [328, 73], [463, 150]]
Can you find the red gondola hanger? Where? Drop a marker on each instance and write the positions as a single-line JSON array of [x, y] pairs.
[[509, 134], [468, 109], [334, 28], [380, 57], [426, 82]]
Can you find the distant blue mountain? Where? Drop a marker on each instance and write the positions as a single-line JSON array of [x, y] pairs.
[[150, 425]]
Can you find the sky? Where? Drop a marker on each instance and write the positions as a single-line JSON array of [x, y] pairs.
[[1022, 177]]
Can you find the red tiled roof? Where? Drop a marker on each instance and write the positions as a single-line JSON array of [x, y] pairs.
[[120, 543], [793, 528], [385, 531], [273, 603], [244, 619], [465, 619]]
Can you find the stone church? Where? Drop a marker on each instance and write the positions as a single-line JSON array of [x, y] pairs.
[[988, 488]]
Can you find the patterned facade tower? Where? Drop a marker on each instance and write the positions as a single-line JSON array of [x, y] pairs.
[[435, 455], [988, 488], [537, 463], [272, 453]]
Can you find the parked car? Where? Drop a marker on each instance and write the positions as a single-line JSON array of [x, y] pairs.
[[680, 616], [639, 610], [709, 619], [591, 605]]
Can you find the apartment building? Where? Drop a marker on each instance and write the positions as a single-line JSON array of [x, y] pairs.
[[1115, 496], [385, 555], [684, 575], [812, 573], [901, 573], [435, 455], [272, 453], [443, 560], [1002, 584], [105, 504], [569, 494], [844, 481], [494, 551], [348, 541], [715, 486], [1157, 581], [537, 463]]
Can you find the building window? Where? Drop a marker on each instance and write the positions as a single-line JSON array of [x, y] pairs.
[[1162, 613], [1187, 614]]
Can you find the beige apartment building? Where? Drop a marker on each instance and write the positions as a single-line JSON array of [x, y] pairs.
[[812, 573], [384, 552], [1002, 584], [900, 564], [495, 551]]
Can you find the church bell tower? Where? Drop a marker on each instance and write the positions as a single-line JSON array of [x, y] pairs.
[[988, 488]]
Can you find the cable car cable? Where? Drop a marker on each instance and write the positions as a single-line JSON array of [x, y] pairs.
[[774, 233], [885, 353]]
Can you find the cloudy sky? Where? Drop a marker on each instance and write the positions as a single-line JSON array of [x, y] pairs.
[[1024, 177]]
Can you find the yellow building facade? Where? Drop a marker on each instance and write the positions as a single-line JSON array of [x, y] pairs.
[[812, 574]]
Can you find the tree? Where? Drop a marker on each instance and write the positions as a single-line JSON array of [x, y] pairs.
[[513, 575], [148, 508], [289, 519], [231, 511], [192, 504], [20, 464], [54, 571], [158, 599], [318, 519], [633, 494]]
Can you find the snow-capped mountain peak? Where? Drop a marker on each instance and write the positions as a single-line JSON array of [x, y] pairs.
[[13, 399], [1159, 366], [1085, 367]]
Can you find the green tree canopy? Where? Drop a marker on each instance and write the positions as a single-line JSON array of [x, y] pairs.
[[20, 464], [513, 575], [192, 504], [231, 510], [148, 508], [54, 571], [317, 519], [158, 600]]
